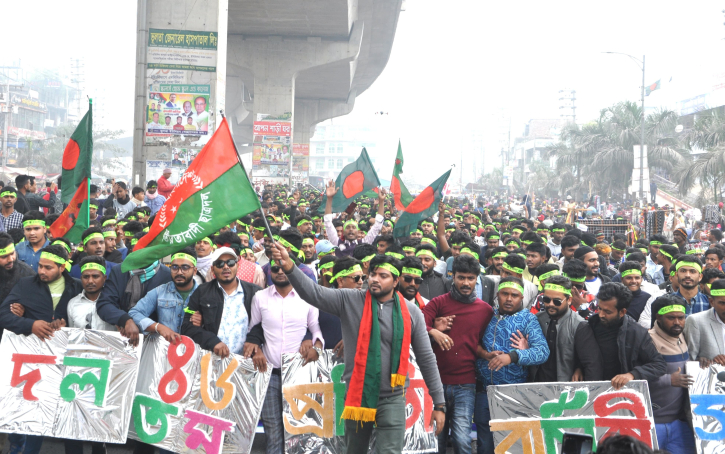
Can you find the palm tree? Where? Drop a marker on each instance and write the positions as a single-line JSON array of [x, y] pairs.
[[707, 169]]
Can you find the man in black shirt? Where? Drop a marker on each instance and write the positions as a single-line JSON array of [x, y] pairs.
[[627, 349]]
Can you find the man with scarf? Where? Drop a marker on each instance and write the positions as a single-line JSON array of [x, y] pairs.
[[456, 351], [11, 269], [346, 245], [204, 248], [153, 199], [379, 328]]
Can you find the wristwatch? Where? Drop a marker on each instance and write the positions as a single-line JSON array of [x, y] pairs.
[[318, 350], [440, 408]]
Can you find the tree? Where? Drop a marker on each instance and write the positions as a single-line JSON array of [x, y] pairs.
[[707, 169]]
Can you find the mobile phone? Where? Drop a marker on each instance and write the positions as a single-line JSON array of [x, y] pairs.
[[351, 209], [108, 180], [47, 184], [573, 443]]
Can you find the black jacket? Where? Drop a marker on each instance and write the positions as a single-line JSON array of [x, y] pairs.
[[208, 300], [434, 285], [637, 353], [34, 295], [114, 303], [8, 280]]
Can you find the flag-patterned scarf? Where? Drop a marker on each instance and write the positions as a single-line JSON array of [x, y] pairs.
[[364, 387]]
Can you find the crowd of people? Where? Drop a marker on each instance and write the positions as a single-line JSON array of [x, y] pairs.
[[481, 296]]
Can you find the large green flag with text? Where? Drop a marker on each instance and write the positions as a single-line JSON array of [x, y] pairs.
[[355, 179], [401, 195], [214, 191], [423, 206]]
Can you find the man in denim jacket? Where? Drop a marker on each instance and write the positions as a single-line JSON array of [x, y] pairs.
[[168, 300], [512, 342]]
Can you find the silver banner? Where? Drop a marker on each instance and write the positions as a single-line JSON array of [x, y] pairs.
[[314, 397], [707, 400], [76, 385], [531, 418], [190, 400]]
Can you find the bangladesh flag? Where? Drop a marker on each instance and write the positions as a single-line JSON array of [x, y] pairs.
[[423, 206], [653, 87], [355, 179], [401, 195], [214, 191], [75, 218], [77, 157]]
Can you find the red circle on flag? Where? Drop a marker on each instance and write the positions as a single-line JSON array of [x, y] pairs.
[[421, 203], [70, 155], [354, 184]]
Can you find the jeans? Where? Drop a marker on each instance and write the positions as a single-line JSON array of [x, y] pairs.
[[460, 401], [272, 416], [389, 429], [481, 417], [76, 446], [25, 444], [676, 437]]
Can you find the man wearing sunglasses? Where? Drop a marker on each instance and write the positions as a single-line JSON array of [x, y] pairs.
[[168, 301], [375, 401], [571, 341], [456, 351], [410, 280]]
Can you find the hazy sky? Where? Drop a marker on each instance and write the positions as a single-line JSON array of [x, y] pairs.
[[454, 65]]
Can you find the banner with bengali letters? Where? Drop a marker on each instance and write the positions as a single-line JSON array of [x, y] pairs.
[[314, 397], [190, 400], [531, 418], [76, 385], [707, 401]]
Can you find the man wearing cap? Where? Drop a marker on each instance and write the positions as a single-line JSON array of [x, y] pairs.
[[9, 218], [153, 198], [168, 301], [346, 245], [595, 279], [164, 185], [34, 230], [670, 400], [94, 243], [689, 275], [680, 237], [654, 268]]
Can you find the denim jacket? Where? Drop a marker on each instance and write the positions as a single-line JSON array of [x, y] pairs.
[[166, 301]]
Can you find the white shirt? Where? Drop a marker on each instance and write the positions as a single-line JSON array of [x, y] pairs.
[[82, 314], [234, 322], [285, 322], [593, 286]]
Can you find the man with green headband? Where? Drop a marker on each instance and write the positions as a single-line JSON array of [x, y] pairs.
[[554, 242], [169, 300], [11, 269], [689, 275], [9, 217], [654, 268], [630, 273], [94, 244], [616, 257], [670, 400], [82, 308], [34, 229], [346, 242], [378, 328]]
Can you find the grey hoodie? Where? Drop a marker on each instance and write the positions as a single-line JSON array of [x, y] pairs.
[[348, 305]]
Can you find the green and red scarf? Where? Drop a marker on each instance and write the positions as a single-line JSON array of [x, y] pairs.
[[364, 387]]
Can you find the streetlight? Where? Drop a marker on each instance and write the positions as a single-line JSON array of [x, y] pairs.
[[641, 146]]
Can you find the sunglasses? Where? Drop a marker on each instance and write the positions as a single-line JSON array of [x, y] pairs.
[[220, 263], [409, 279], [557, 301], [275, 269], [357, 278]]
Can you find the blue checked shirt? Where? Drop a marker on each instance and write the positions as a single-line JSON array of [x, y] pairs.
[[14, 221], [699, 303]]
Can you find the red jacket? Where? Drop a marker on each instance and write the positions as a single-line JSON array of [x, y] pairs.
[[165, 186]]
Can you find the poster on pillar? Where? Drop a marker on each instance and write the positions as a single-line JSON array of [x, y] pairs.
[[181, 65], [300, 162], [272, 152]]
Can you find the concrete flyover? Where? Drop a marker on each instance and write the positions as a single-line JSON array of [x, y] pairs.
[[309, 59]]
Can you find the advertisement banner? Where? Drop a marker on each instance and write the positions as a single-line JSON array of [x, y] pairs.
[[20, 132], [531, 418], [190, 400], [272, 150], [707, 402], [314, 397], [301, 157], [182, 49], [178, 110], [77, 384]]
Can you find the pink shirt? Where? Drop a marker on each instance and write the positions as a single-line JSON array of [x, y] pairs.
[[285, 322]]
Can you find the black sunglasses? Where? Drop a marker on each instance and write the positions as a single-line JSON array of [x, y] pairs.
[[220, 263], [275, 269], [557, 301], [409, 279], [357, 278]]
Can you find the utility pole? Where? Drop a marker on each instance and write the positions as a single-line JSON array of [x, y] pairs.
[[6, 128]]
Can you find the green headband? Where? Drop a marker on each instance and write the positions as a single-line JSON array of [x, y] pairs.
[[260, 229], [389, 267], [60, 243], [132, 218], [121, 223], [409, 249], [426, 223], [690, 264], [303, 222], [512, 243], [694, 251], [578, 280], [396, 255], [243, 233], [419, 231], [368, 258], [350, 222], [557, 288], [90, 205], [53, 258], [181, 255], [490, 225], [517, 228], [642, 250], [523, 256], [322, 254], [666, 254], [458, 244], [512, 285], [632, 271], [677, 307], [466, 250], [34, 222], [655, 243], [546, 276], [428, 241], [92, 236], [207, 240], [134, 241], [507, 267], [526, 242], [108, 222], [9, 249], [94, 266], [286, 243], [717, 292], [346, 272], [8, 193], [146, 229], [308, 241], [500, 254], [494, 237], [245, 249], [326, 265], [425, 252], [617, 249], [413, 271]]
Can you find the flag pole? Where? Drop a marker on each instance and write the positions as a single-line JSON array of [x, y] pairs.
[[236, 151]]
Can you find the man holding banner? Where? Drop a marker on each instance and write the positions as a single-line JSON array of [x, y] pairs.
[[379, 327]]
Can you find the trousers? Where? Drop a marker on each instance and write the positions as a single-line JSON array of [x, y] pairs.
[[389, 429]]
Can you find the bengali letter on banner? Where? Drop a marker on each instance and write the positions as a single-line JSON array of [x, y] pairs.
[[707, 402]]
